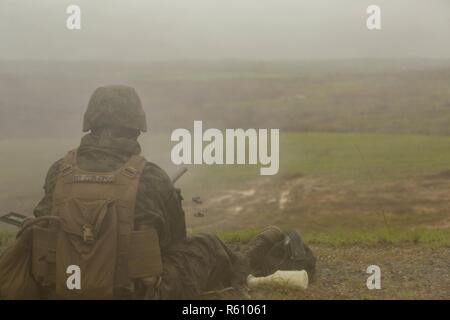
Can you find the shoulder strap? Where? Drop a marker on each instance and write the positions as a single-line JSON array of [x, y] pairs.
[[133, 167], [69, 162]]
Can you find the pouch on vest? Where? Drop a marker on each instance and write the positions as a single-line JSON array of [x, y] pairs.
[[86, 249]]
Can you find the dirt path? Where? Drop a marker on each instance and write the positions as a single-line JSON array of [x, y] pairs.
[[316, 204]]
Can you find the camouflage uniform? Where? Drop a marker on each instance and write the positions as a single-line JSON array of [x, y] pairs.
[[191, 265], [157, 202]]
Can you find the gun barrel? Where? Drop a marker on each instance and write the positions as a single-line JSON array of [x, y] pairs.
[[178, 174], [13, 218]]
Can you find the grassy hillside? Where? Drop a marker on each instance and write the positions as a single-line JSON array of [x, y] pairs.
[[48, 99], [360, 159]]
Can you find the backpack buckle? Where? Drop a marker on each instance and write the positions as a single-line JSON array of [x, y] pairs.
[[66, 169], [130, 172]]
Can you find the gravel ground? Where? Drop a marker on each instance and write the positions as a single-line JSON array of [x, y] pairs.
[[407, 272]]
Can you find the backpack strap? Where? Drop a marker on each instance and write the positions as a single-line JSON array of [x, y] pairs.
[[133, 167], [128, 174]]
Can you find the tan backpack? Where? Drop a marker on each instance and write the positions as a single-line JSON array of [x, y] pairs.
[[89, 248], [16, 279]]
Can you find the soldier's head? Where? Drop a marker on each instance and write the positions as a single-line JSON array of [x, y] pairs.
[[116, 109]]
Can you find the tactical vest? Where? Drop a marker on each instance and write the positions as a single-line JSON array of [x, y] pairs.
[[90, 248]]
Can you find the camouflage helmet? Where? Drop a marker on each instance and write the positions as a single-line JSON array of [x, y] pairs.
[[115, 106]]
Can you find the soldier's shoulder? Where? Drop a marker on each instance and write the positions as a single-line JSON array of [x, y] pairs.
[[54, 170], [155, 175], [52, 174]]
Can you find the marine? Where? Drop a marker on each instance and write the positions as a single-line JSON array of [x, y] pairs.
[[119, 218]]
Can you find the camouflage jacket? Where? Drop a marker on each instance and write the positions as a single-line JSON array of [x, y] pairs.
[[157, 203]]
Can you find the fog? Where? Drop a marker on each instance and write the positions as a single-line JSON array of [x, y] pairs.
[[193, 59], [223, 29]]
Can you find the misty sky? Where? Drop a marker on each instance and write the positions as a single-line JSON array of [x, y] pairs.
[[224, 29]]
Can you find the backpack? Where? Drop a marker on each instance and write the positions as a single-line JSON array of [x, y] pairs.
[[16, 279], [88, 248]]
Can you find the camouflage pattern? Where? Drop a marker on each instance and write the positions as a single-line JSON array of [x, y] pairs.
[[199, 264], [115, 106], [158, 202], [191, 265]]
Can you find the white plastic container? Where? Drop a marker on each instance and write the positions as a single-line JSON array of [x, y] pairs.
[[294, 279]]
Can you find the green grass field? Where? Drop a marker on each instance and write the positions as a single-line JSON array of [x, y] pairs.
[[360, 157]]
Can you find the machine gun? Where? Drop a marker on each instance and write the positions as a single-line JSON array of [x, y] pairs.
[[13, 218], [17, 219]]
